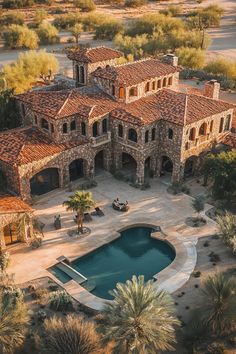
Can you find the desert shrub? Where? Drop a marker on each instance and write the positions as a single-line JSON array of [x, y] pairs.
[[222, 67], [91, 20], [216, 348], [48, 34], [13, 294], [172, 10], [135, 3], [131, 45], [16, 4], [178, 187], [227, 225], [39, 16], [191, 58], [60, 301], [13, 18], [71, 335], [36, 242], [67, 20], [198, 204], [204, 18], [85, 5], [16, 36], [108, 29], [4, 260], [41, 315], [40, 293]]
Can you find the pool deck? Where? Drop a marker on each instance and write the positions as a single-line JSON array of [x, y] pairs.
[[151, 207]]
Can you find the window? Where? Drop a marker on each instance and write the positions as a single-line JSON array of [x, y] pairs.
[[64, 128], [164, 82], [227, 122], [121, 92], [52, 128], [132, 135], [170, 133], [83, 128], [113, 90], [36, 120], [192, 134], [186, 146], [95, 129], [120, 130], [133, 92], [147, 87], [146, 136], [23, 109], [159, 84], [153, 133], [170, 81], [154, 85], [104, 125], [72, 125], [44, 124], [221, 124], [203, 129], [211, 126]]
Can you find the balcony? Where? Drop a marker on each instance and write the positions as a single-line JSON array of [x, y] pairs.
[[101, 139]]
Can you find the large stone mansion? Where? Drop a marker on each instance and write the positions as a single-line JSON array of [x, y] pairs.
[[118, 117]]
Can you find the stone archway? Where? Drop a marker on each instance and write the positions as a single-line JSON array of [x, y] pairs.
[[44, 181], [189, 166], [99, 162], [147, 167], [76, 169], [166, 165], [129, 166]]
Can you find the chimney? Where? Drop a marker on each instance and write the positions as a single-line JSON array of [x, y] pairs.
[[170, 59], [212, 89]]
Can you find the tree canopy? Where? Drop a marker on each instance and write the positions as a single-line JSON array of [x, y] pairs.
[[16, 36], [9, 112]]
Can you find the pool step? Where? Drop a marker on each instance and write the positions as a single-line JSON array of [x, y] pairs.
[[71, 272]]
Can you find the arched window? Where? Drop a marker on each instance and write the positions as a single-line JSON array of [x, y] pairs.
[[192, 134], [113, 90], [227, 122], [170, 81], [52, 128], [104, 125], [147, 87], [95, 129], [211, 125], [203, 129], [81, 74], [154, 85], [44, 124], [164, 82], [72, 125], [159, 84], [83, 128], [121, 92], [23, 108], [153, 133], [132, 92], [64, 128], [170, 133], [221, 125], [120, 131], [35, 120], [132, 135], [146, 136]]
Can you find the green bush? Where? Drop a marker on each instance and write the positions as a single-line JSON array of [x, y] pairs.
[[85, 5], [40, 293], [191, 58], [227, 225], [13, 18], [16, 4], [48, 34], [4, 260], [68, 20], [17, 36], [60, 301], [39, 16], [135, 3], [90, 21], [13, 294], [108, 29], [221, 66]]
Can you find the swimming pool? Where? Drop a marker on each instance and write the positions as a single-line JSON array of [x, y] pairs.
[[134, 253]]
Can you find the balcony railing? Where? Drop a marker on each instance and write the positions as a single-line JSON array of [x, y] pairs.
[[101, 139]]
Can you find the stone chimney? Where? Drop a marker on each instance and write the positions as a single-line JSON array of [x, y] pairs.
[[170, 59], [212, 89]]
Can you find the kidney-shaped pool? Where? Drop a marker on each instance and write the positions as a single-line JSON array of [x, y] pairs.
[[134, 253]]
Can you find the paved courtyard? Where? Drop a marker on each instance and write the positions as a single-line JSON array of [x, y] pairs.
[[153, 205]]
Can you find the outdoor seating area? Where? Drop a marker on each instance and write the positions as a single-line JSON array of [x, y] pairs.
[[117, 205]]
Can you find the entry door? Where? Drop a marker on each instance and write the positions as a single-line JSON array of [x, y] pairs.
[[11, 234]]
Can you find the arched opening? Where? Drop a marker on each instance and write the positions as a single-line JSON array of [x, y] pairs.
[[129, 166], [64, 128], [44, 181], [221, 125], [170, 81], [132, 135], [153, 133], [104, 125], [120, 130], [166, 165], [147, 167], [95, 129], [133, 92], [228, 122], [11, 233], [72, 125], [83, 128], [164, 82], [3, 181], [159, 84], [211, 125], [76, 169], [99, 162], [170, 133], [113, 91], [146, 136], [121, 92], [189, 166], [44, 124], [192, 134], [154, 85], [147, 87], [203, 129]]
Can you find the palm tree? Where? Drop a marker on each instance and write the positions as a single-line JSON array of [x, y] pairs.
[[219, 304], [72, 335], [80, 202], [13, 321], [139, 320]]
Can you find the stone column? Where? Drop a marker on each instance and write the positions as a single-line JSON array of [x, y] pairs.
[[153, 165], [107, 159], [64, 176], [140, 174], [89, 169], [178, 172], [2, 239], [118, 160], [158, 166]]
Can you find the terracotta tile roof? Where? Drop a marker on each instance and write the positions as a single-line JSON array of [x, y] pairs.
[[230, 140], [94, 55], [11, 204], [136, 72], [175, 107], [25, 145], [60, 104]]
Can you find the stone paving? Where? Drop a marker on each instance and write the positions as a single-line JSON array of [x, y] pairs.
[[153, 206]]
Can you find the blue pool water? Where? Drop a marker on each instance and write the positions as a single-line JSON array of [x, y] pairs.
[[134, 253]]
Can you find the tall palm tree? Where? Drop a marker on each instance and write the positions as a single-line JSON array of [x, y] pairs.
[[218, 307], [13, 321], [139, 320], [80, 202], [72, 335]]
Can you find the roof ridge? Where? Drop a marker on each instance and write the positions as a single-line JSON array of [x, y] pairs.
[[134, 62], [64, 103]]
